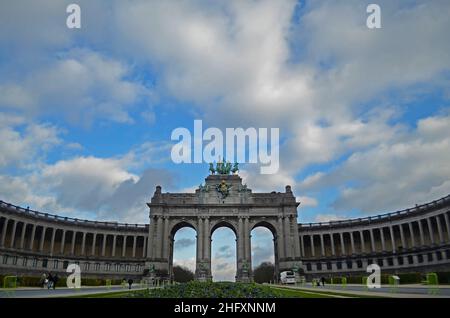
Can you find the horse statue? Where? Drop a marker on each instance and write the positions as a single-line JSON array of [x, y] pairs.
[[211, 168], [235, 168]]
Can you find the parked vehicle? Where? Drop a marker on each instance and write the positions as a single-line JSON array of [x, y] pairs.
[[287, 277]]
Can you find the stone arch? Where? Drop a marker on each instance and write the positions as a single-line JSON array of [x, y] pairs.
[[224, 223], [174, 228], [272, 227]]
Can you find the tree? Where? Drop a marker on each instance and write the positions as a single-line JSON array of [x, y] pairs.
[[182, 274], [264, 273]]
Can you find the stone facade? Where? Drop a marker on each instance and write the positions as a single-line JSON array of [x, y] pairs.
[[415, 239]]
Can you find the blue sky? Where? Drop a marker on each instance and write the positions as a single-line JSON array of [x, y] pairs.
[[86, 115]]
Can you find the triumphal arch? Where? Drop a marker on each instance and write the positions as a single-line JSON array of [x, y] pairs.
[[222, 201]]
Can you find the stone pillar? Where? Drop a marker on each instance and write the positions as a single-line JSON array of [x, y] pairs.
[[22, 237], [438, 222], [151, 234], [402, 236], [104, 244], [333, 251], [159, 237], [383, 242], [33, 232], [411, 233], [287, 237], [248, 251], [94, 242], [430, 230], [312, 245], [199, 240], [295, 237], [166, 238], [52, 243], [124, 245], [391, 232], [74, 238], [341, 235], [83, 243], [372, 241], [322, 245], [280, 238], [422, 236], [145, 247], [134, 245], [447, 225], [63, 241], [207, 241], [5, 228], [114, 245], [363, 248], [240, 236], [13, 234], [41, 243], [352, 241], [303, 245]]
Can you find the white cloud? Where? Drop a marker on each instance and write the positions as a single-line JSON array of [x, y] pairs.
[[322, 218]]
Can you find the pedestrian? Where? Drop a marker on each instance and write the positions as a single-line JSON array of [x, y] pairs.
[[55, 280], [49, 281], [323, 281], [130, 282], [43, 280]]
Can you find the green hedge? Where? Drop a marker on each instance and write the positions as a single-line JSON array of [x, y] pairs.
[[33, 281], [405, 278]]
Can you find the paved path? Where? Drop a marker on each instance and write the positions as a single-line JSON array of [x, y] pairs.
[[404, 291], [32, 292]]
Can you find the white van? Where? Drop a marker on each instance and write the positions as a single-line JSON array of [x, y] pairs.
[[287, 277]]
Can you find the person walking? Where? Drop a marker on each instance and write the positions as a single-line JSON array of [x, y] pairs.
[[130, 282], [323, 280], [55, 280]]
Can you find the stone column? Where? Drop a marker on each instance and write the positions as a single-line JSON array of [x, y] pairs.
[[295, 236], [83, 243], [333, 251], [22, 237], [94, 242], [124, 245], [145, 247], [422, 236], [352, 241], [151, 234], [391, 232], [430, 230], [383, 242], [372, 241], [402, 236], [41, 243], [5, 227], [104, 244], [52, 244], [166, 238], [63, 241], [159, 237], [341, 235], [248, 252], [33, 232], [134, 245], [411, 233], [74, 238], [322, 245], [447, 225], [13, 234], [199, 239], [114, 245], [240, 239], [287, 237], [312, 245], [363, 248], [303, 245], [438, 222], [280, 238], [207, 240]]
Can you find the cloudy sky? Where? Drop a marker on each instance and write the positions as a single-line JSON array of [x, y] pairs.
[[86, 114]]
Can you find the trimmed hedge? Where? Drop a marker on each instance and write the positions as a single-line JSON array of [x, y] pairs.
[[405, 278], [33, 281]]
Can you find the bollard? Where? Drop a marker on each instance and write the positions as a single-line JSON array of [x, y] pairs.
[[344, 282], [433, 283], [394, 282]]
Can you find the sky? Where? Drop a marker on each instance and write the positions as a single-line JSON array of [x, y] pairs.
[[86, 114]]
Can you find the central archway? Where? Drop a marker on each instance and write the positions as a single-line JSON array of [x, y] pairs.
[[175, 229], [224, 252]]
